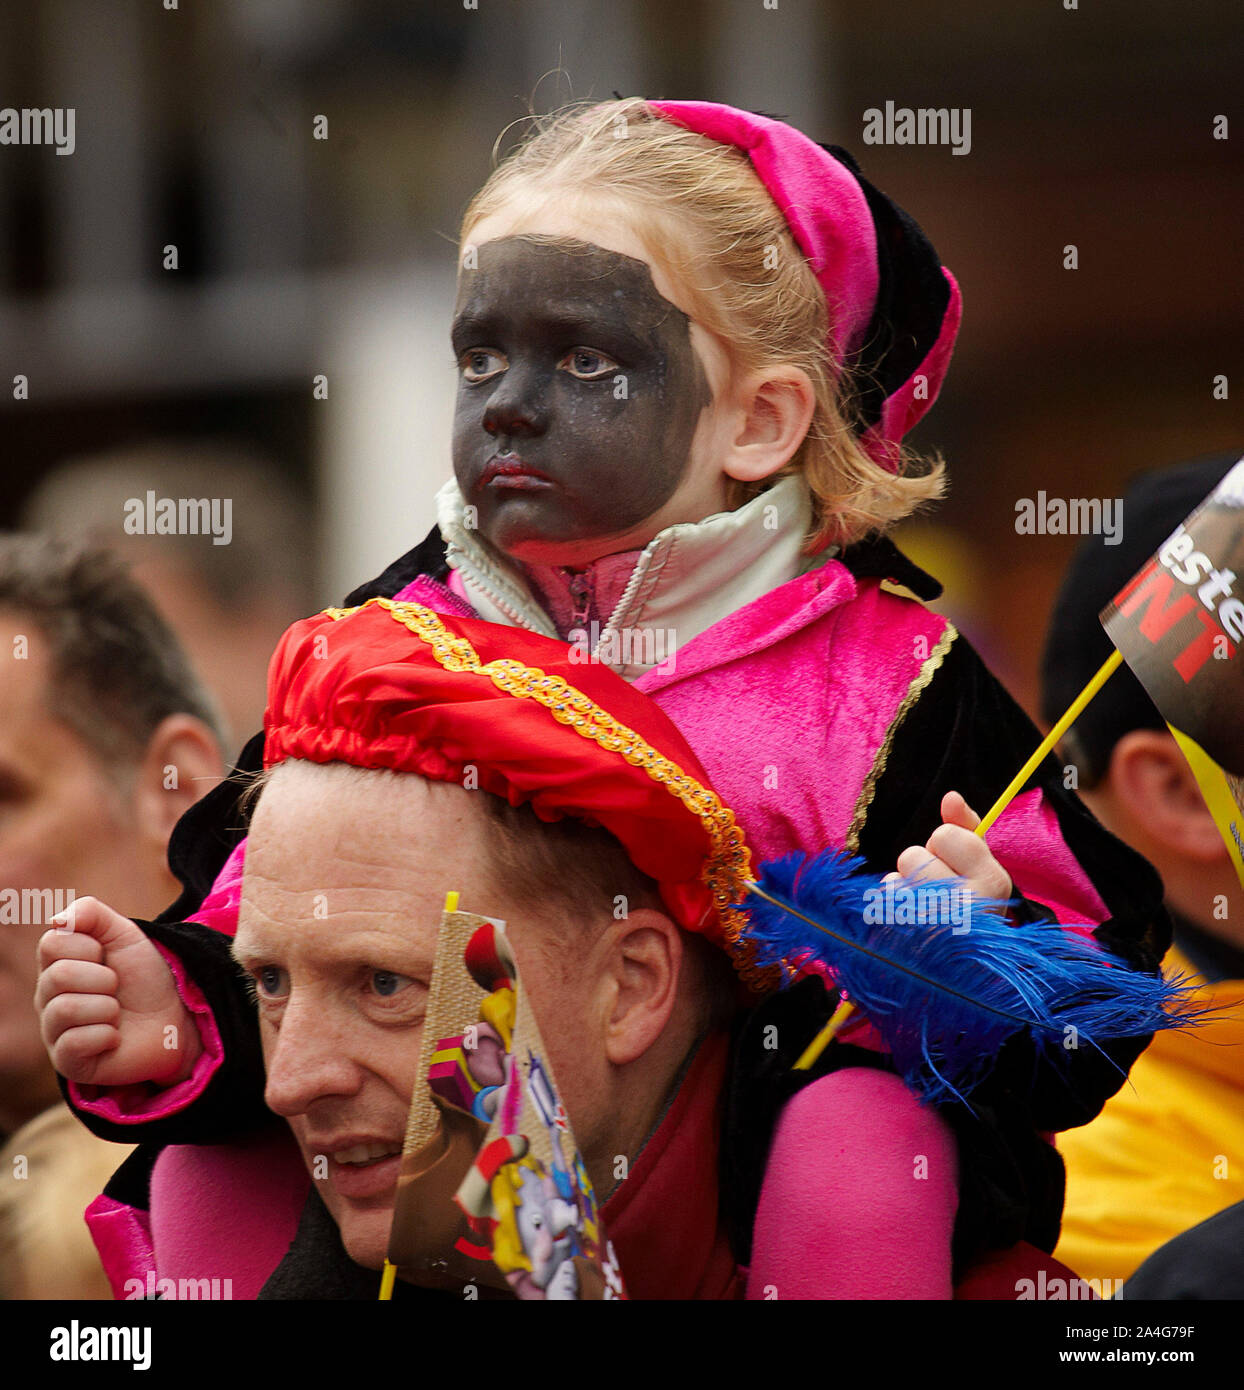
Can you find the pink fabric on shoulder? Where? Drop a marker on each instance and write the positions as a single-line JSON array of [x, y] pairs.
[[1027, 842], [456, 586], [122, 1236], [859, 1197], [227, 1211], [833, 659], [441, 598], [135, 1105], [219, 910], [821, 654]]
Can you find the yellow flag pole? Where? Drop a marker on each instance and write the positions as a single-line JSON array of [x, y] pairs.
[[844, 1010], [825, 1036], [1074, 711], [388, 1276]]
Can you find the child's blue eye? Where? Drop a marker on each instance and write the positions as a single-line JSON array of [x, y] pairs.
[[585, 362], [475, 363]]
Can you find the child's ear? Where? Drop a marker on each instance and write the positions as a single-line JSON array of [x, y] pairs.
[[773, 409]]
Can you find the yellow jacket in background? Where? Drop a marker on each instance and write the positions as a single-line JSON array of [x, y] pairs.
[[1168, 1150]]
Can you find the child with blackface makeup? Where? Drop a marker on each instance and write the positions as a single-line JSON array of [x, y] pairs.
[[690, 342]]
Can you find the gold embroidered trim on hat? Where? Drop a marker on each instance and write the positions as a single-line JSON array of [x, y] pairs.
[[868, 790], [727, 871]]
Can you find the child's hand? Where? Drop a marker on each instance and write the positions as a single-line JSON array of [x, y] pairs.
[[954, 851], [109, 1010]]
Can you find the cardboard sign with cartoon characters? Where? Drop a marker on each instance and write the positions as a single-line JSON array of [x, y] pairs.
[[1179, 624], [493, 1194]]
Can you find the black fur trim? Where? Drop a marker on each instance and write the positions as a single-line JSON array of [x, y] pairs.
[[428, 557], [879, 558]]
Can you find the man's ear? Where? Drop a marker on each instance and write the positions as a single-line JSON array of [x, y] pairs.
[[182, 763], [644, 967], [1150, 778], [774, 409]]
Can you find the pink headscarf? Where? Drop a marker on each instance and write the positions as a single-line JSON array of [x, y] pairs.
[[894, 308]]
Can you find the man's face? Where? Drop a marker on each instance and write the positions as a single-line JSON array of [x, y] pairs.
[[64, 833], [345, 882], [584, 421]]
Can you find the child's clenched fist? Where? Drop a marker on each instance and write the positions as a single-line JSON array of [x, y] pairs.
[[109, 1010]]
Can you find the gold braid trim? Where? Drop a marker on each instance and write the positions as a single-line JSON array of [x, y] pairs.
[[914, 691], [726, 872]]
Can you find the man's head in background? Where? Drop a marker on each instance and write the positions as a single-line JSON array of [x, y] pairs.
[[106, 739], [1130, 770], [227, 602]]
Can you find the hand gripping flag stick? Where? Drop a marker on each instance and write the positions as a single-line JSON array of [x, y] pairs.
[[845, 1009]]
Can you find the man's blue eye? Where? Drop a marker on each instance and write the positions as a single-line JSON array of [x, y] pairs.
[[386, 982], [270, 977]]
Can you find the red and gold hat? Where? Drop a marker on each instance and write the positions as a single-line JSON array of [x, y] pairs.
[[395, 685]]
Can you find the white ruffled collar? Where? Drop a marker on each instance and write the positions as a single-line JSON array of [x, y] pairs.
[[685, 579]]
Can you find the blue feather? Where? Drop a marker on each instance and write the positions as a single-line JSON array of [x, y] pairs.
[[944, 976]]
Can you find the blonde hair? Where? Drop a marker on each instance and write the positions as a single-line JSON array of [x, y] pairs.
[[710, 223], [50, 1172]]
